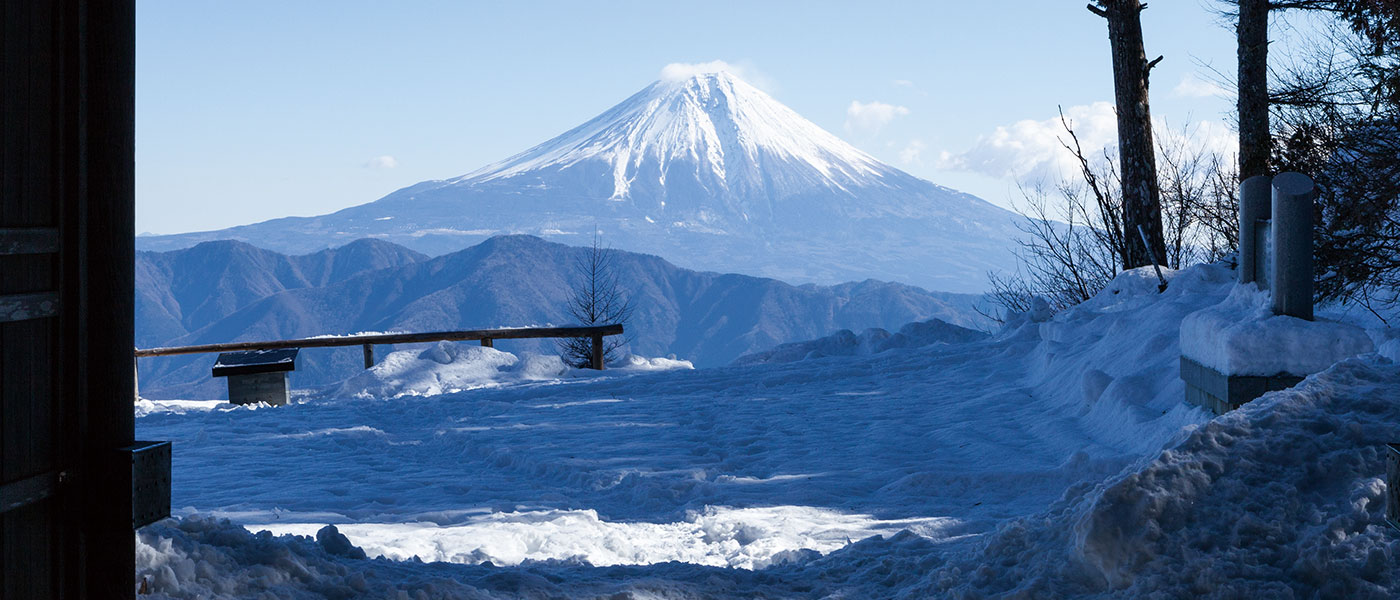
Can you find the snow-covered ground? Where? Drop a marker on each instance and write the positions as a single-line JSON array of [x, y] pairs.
[[1055, 458]]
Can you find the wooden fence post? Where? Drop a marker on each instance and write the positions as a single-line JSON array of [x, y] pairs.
[[369, 355], [598, 352]]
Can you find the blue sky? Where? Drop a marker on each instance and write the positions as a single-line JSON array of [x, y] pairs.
[[253, 110]]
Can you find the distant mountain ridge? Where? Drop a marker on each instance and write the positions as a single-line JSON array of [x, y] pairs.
[[178, 292], [707, 171], [865, 343], [708, 318]]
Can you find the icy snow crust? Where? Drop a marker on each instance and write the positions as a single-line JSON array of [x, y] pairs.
[[1054, 459]]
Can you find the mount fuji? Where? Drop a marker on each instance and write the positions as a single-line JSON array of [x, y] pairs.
[[707, 171]]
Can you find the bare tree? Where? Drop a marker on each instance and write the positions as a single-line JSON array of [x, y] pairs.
[[1199, 206], [1074, 239], [1137, 162], [596, 298]]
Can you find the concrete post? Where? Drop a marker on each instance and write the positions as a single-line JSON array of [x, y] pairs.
[[1255, 204], [1292, 274]]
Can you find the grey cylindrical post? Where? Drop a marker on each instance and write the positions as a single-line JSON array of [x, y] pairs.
[[1292, 274], [1255, 202]]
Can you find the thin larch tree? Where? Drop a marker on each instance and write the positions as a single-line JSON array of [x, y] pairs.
[[1142, 205], [595, 298]]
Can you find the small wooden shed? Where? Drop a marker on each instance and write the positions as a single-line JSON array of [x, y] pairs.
[[257, 375]]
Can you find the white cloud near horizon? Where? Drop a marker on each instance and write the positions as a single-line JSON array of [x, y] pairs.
[[1030, 151], [1193, 86], [912, 154], [868, 118], [382, 162]]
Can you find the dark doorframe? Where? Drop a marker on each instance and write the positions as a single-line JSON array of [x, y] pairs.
[[67, 216]]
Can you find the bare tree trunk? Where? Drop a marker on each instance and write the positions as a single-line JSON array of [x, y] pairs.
[[1252, 33], [1137, 163]]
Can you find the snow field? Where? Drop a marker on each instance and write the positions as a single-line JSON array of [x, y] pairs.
[[1028, 465]]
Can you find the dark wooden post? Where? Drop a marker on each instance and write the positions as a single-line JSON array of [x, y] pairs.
[[487, 343], [369, 355], [598, 352]]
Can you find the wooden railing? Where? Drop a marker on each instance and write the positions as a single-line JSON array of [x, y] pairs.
[[486, 336]]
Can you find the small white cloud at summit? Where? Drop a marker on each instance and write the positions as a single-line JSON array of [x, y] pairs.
[[381, 162], [870, 117], [676, 72], [684, 71]]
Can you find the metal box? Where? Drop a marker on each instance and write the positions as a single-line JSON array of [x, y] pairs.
[[150, 482], [1392, 485]]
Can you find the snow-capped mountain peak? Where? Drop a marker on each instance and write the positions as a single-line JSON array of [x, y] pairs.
[[726, 134], [704, 169]]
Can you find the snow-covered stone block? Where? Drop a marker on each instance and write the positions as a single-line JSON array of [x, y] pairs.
[[1220, 393], [1242, 336]]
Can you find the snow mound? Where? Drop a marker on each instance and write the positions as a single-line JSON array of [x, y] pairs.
[[871, 341], [639, 364], [1283, 498], [1286, 492], [145, 407], [1391, 350], [447, 367], [1242, 336], [1114, 360]]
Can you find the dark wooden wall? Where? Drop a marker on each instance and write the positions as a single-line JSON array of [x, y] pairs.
[[67, 97]]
